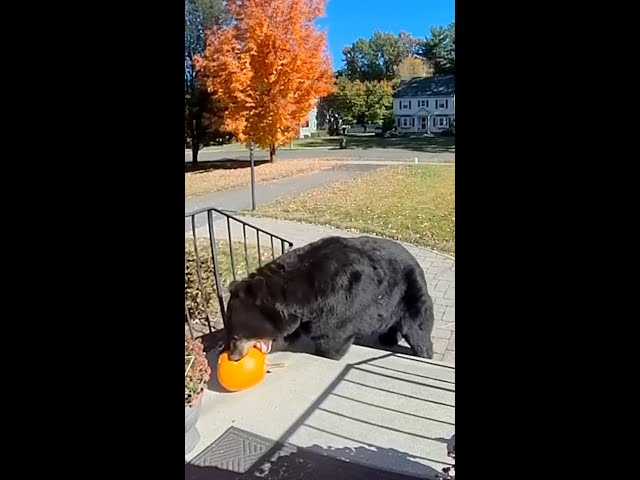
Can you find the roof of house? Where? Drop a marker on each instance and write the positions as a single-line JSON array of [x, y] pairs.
[[439, 86]]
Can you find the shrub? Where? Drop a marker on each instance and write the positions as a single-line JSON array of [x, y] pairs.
[[388, 122], [197, 370]]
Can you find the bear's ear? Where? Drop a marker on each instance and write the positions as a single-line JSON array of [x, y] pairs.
[[240, 288], [233, 285], [260, 290]]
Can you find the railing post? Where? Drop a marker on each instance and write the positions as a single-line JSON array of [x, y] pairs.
[[193, 318], [203, 291], [216, 267], [253, 177]]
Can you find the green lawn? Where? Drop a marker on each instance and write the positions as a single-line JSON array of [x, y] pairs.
[[414, 203], [420, 144]]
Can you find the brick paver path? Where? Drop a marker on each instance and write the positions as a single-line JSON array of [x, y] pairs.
[[439, 271]]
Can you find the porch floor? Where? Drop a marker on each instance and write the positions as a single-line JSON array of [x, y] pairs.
[[385, 410]]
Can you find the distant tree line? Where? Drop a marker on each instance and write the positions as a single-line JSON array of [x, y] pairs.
[[364, 86], [372, 70]]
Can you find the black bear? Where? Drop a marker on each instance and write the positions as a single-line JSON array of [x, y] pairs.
[[333, 291]]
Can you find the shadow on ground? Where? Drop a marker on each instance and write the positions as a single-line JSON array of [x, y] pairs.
[[319, 463], [436, 144], [224, 164], [283, 461]]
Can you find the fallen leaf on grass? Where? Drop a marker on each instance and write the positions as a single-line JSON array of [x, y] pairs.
[[415, 205]]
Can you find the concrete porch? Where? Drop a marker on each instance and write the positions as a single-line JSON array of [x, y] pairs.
[[385, 410], [374, 415]]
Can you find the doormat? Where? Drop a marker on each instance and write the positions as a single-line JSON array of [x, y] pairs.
[[241, 455]]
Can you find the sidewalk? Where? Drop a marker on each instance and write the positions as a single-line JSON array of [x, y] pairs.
[[239, 199]]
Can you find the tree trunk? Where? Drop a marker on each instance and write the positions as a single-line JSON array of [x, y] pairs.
[[195, 147], [272, 152]]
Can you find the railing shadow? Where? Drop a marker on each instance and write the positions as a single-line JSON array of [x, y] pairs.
[[321, 463], [367, 460]]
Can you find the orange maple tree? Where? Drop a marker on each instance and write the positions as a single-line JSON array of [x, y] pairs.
[[268, 68]]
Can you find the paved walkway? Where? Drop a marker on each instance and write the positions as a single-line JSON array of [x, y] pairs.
[[439, 270], [239, 199]]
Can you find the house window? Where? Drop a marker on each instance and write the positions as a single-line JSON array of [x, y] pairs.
[[405, 104], [423, 103], [407, 122], [440, 122], [442, 104]]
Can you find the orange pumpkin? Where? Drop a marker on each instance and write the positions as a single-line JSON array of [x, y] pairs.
[[245, 373]]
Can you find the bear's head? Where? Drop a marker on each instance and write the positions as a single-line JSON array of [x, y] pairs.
[[253, 316]]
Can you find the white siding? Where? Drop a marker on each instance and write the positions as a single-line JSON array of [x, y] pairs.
[[313, 124], [415, 105], [424, 114]]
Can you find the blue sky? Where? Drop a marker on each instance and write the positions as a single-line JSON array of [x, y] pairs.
[[348, 20]]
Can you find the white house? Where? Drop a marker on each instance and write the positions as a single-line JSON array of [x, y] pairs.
[[310, 125], [425, 104]]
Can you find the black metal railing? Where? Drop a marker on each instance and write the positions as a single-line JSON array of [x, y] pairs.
[[214, 259]]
